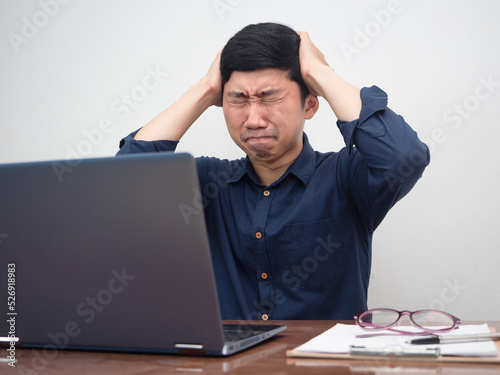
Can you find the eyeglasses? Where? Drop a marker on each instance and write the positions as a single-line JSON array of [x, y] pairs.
[[429, 321]]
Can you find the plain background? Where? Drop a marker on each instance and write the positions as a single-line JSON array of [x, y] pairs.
[[76, 76]]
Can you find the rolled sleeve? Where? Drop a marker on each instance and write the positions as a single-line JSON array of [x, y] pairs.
[[373, 100], [388, 158], [129, 145]]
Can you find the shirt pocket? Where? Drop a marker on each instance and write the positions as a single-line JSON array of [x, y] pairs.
[[315, 257]]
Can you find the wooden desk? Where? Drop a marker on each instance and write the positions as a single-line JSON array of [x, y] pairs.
[[267, 358]]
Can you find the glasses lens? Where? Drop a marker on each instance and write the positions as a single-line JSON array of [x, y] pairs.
[[433, 320], [378, 318]]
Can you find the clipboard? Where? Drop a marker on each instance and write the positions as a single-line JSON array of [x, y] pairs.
[[294, 353]]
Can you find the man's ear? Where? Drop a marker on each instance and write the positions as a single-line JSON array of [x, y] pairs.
[[311, 106]]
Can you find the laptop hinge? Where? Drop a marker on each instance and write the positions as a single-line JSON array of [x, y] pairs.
[[190, 349]]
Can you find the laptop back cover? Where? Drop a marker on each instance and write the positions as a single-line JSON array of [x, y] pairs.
[[103, 258]]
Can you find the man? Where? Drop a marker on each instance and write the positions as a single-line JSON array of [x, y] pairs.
[[291, 229]]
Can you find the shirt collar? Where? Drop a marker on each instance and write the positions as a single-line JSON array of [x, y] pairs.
[[302, 167]]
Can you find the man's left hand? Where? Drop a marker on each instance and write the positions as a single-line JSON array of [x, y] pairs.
[[312, 64]]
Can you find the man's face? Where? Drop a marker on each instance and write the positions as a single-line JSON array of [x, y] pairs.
[[264, 115]]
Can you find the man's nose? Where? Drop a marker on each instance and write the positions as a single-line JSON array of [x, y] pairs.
[[255, 117]]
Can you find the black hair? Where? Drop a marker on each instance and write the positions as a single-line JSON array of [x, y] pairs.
[[260, 46]]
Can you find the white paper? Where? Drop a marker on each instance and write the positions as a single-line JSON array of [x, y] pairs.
[[339, 339]]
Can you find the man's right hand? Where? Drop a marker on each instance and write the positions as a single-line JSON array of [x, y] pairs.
[[214, 80]]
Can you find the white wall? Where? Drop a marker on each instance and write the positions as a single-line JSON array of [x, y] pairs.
[[67, 67]]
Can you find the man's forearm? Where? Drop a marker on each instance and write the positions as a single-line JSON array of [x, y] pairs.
[[172, 123], [344, 98]]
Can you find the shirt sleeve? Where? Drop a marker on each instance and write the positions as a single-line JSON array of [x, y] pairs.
[[129, 145], [386, 157]]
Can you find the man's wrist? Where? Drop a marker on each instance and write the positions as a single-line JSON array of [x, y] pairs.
[[321, 79], [210, 94], [344, 98]]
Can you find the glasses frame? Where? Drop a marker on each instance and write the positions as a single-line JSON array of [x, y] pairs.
[[401, 314]]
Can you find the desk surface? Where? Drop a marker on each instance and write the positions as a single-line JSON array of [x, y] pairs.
[[266, 358]]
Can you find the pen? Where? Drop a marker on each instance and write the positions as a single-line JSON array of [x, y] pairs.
[[455, 339]]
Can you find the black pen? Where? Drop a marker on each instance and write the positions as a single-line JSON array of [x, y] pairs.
[[455, 339]]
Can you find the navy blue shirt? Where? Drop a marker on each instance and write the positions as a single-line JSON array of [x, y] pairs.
[[300, 248]]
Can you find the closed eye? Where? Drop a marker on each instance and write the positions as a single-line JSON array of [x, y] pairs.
[[264, 96], [236, 97]]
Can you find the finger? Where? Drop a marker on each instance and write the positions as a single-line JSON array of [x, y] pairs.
[[303, 35]]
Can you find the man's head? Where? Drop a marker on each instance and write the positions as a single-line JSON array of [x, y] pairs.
[[265, 100], [261, 46]]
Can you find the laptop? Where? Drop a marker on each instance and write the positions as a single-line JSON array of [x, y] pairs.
[[96, 254]]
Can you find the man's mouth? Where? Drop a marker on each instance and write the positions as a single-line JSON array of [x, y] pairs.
[[259, 139], [256, 137]]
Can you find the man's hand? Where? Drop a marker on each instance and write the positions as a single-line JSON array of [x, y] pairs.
[[312, 64], [322, 80], [214, 81]]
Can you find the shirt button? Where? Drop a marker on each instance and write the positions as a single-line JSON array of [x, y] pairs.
[[266, 193], [258, 235], [263, 275], [265, 316]]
